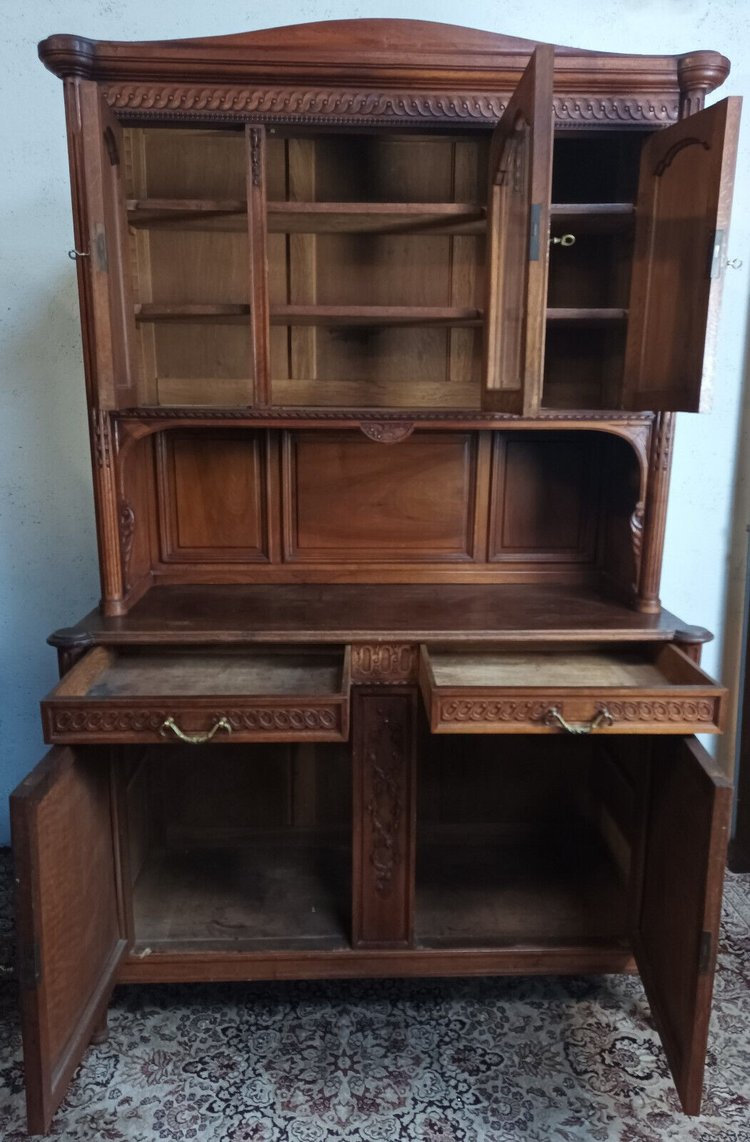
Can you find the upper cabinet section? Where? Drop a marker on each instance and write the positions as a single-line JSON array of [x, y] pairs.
[[305, 218]]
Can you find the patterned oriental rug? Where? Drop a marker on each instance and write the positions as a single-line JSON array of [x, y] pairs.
[[483, 1060]]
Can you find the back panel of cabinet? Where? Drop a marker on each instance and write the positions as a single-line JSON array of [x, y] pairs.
[[376, 269], [238, 847], [243, 505], [189, 247]]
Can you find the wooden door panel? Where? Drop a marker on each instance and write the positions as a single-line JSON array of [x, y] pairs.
[[350, 499], [107, 302], [678, 922], [517, 228], [682, 218], [70, 936]]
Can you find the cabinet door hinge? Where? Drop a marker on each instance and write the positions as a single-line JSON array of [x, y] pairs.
[[718, 257], [535, 219], [705, 952], [30, 966]]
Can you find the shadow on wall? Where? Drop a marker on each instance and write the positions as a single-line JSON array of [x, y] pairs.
[[736, 617], [46, 510]]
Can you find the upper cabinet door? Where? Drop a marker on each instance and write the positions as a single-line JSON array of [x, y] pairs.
[[102, 236], [70, 939], [517, 247], [682, 217], [677, 928]]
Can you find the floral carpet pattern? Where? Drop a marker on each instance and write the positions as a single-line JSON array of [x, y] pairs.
[[484, 1060]]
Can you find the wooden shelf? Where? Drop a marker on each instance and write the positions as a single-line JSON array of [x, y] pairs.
[[362, 315], [376, 217], [311, 217], [354, 394], [188, 213], [224, 313], [343, 612], [592, 217], [278, 891], [479, 890], [583, 316]]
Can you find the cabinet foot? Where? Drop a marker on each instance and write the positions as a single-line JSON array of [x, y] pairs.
[[100, 1034]]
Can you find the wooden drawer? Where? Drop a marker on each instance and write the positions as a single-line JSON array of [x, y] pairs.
[[652, 688], [118, 695]]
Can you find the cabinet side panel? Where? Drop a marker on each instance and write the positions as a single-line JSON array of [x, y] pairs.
[[544, 497]]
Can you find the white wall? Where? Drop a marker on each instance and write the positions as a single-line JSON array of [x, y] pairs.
[[48, 575]]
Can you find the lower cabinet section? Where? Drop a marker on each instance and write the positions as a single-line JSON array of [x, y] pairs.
[[236, 848], [403, 852], [517, 846]]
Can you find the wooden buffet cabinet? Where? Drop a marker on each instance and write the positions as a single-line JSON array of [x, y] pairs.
[[384, 327]]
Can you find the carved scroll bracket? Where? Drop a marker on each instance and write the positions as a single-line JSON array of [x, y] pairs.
[[655, 514], [636, 534], [127, 537]]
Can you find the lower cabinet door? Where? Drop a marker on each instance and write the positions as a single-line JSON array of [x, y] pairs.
[[677, 926], [70, 935]]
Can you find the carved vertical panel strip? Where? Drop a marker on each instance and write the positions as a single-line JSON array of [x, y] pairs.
[[652, 548], [127, 536], [108, 518], [259, 307], [384, 773]]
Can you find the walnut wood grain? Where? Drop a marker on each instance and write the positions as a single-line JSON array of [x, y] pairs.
[[69, 935], [304, 613], [285, 371]]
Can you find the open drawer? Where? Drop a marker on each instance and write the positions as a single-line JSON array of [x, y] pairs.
[[649, 688], [139, 695]]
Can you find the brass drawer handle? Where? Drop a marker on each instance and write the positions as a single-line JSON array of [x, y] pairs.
[[194, 739], [602, 717]]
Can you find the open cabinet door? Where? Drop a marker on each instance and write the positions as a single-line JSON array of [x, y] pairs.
[[682, 220], [517, 243], [70, 934], [102, 239], [678, 924]]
